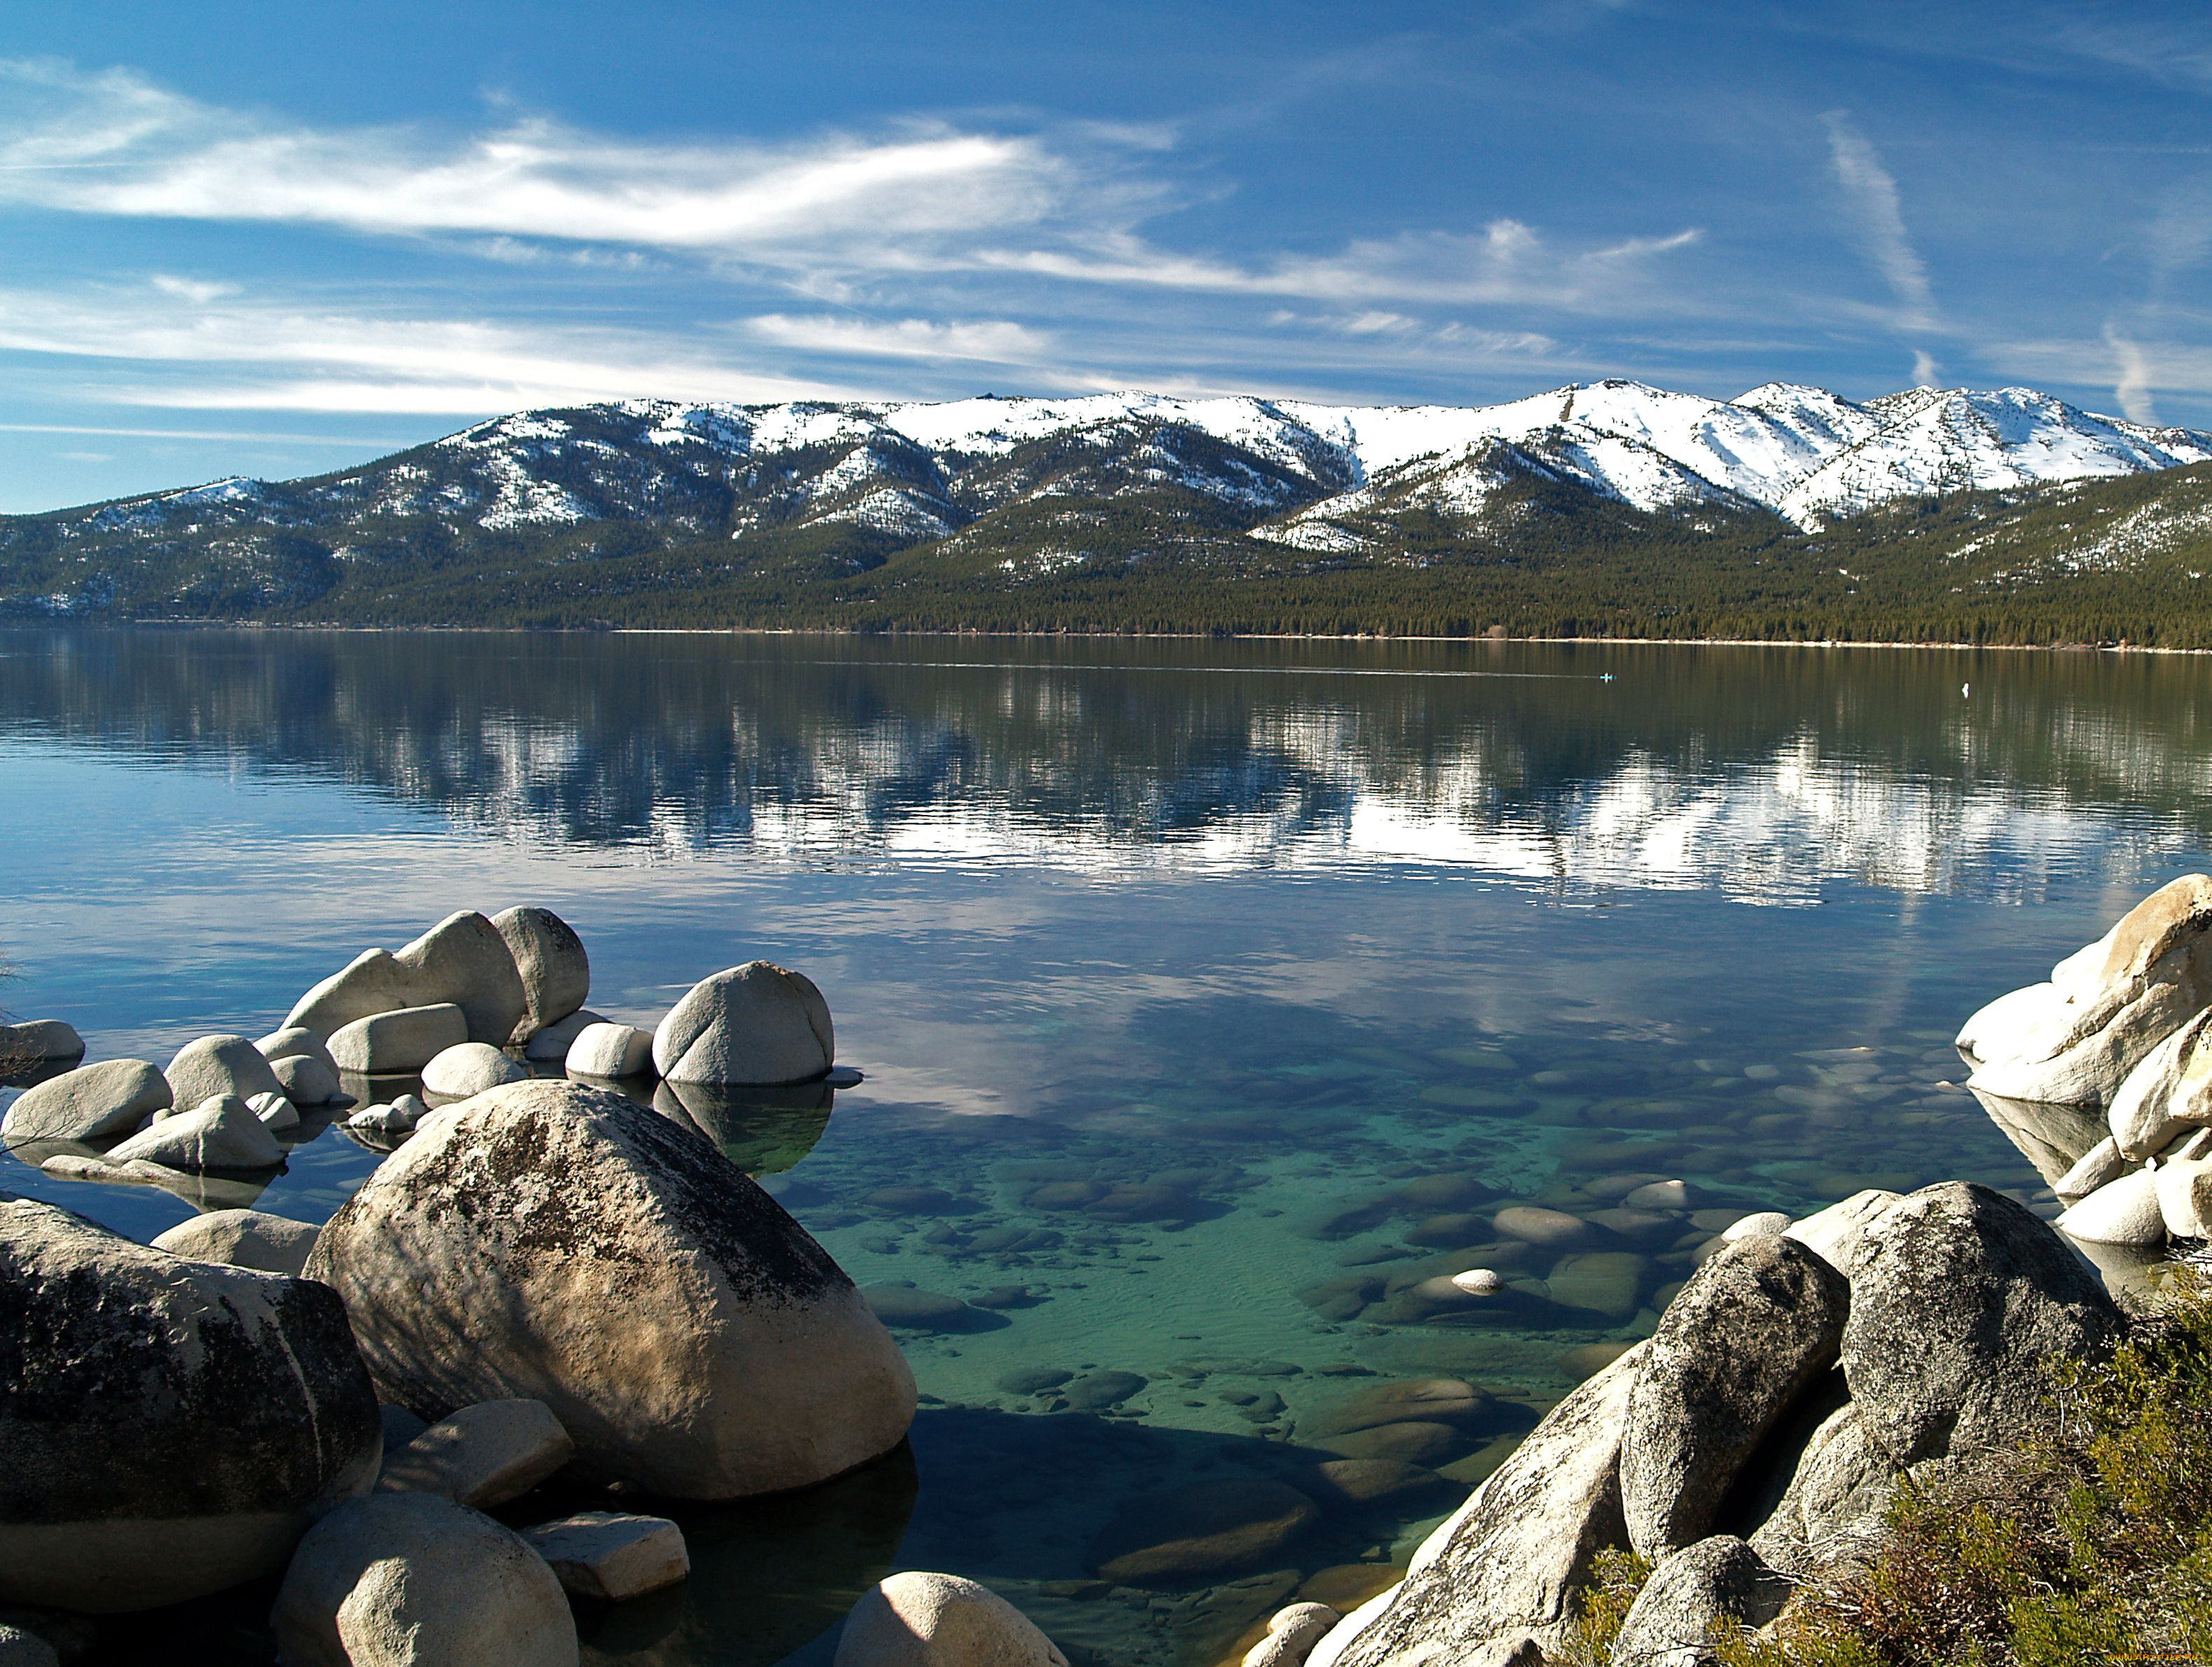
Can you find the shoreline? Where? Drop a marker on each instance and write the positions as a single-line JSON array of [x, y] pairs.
[[2110, 648]]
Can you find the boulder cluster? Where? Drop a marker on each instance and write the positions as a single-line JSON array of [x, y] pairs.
[[546, 1277], [2098, 1074], [1756, 1435]]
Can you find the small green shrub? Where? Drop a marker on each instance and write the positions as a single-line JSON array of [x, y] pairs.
[[1600, 1607]]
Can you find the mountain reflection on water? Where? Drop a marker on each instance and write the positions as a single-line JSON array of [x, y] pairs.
[[1762, 772]]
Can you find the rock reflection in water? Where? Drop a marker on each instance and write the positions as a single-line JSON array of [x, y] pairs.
[[762, 1128]]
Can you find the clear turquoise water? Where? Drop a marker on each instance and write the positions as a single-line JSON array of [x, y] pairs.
[[1209, 996]]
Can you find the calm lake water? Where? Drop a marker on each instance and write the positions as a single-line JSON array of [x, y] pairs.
[[1210, 998]]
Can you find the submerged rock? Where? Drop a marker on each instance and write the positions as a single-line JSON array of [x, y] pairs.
[[549, 957], [558, 1243], [242, 1238], [167, 1428], [1961, 1300], [1751, 1331], [1505, 1565], [756, 1023], [92, 1103], [415, 1580], [923, 1620], [1231, 1526]]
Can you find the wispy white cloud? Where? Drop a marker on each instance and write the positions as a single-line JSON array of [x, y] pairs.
[[1926, 373], [1877, 216], [2135, 379], [989, 341]]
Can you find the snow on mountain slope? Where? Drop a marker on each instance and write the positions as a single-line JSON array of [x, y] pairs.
[[919, 471], [1951, 440]]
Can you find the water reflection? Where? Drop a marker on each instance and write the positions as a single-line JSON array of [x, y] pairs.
[[1766, 773]]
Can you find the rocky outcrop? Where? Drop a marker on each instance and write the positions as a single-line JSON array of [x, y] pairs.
[[2074, 1040], [1507, 1562], [550, 959], [167, 1428], [611, 1556], [415, 1580], [92, 1103], [1960, 1298], [1841, 1483], [481, 1456], [242, 1238], [756, 1023], [1751, 1330], [558, 1243], [921, 1620]]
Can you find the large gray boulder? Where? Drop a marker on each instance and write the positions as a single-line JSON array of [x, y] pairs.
[[372, 983], [609, 1051], [757, 1023], [92, 1103], [2146, 1112], [306, 1080], [550, 1045], [167, 1428], [215, 1065], [415, 1580], [1838, 1492], [296, 1042], [1750, 1332], [242, 1238], [553, 1242], [1961, 1300], [1513, 1554], [2074, 1040], [399, 1043], [481, 1456], [550, 958], [1719, 1578], [922, 1620], [1836, 1233], [221, 1133]]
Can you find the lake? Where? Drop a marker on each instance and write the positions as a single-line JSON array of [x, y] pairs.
[[1210, 998]]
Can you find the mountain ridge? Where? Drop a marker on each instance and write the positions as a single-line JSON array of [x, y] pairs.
[[1597, 502]]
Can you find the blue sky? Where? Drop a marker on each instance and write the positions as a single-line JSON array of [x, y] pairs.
[[276, 238]]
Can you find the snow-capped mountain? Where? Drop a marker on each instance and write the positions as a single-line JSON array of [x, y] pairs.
[[1297, 473]]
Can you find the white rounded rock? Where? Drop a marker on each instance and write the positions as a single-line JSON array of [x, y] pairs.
[[550, 958], [215, 1065], [464, 960], [242, 1238], [92, 1103], [2121, 1212], [552, 1043], [923, 1620], [37, 1042], [221, 1133], [1478, 1282], [757, 1023], [276, 1111], [2185, 1197], [1660, 1195], [415, 1580], [296, 1042], [1291, 1634], [481, 1456], [400, 1043], [372, 983], [306, 1079], [1766, 1222], [610, 1050], [469, 1069]]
